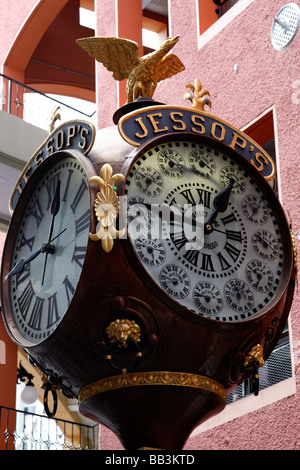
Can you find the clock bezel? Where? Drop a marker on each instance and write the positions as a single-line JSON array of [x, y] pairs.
[[7, 310], [273, 201]]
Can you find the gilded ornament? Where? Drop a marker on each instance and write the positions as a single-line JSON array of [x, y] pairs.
[[123, 330], [135, 379], [121, 56], [106, 207], [294, 249], [198, 97], [255, 355]]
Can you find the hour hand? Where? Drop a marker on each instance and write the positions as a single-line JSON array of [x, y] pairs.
[[220, 204], [46, 247]]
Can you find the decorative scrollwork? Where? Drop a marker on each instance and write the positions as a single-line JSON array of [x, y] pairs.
[[106, 208]]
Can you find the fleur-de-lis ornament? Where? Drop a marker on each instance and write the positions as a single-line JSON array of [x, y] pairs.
[[106, 207], [198, 97]]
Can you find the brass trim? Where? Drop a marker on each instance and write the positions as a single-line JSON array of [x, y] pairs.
[[134, 379]]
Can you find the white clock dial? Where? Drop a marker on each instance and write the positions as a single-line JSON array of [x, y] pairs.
[[58, 212], [210, 260]]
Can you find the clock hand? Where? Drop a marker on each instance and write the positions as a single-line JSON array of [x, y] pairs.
[[55, 204], [220, 204], [18, 268]]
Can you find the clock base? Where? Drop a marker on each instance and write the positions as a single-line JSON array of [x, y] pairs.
[[156, 409]]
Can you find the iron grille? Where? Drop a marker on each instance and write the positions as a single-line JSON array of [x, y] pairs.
[[21, 430], [277, 368]]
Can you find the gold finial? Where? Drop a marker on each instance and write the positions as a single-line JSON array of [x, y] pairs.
[[255, 355], [123, 330], [197, 97], [106, 208], [121, 56], [55, 116]]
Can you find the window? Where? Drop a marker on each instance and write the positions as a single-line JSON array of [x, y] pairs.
[[211, 10]]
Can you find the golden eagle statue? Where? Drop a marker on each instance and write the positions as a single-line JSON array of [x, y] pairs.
[[121, 56]]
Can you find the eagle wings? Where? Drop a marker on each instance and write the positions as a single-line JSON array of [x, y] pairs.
[[121, 56]]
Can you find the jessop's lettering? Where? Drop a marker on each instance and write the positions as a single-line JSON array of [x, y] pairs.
[[78, 135], [140, 126]]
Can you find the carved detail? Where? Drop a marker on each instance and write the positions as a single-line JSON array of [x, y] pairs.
[[134, 379], [255, 355], [122, 330], [106, 208]]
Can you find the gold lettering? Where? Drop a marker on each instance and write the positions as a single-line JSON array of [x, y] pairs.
[[38, 160], [176, 128], [155, 123], [144, 128], [196, 123], [60, 139], [25, 174], [83, 143], [50, 147], [238, 140], [259, 156], [214, 127], [70, 135]]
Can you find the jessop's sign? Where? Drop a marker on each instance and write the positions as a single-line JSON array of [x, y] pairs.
[[144, 124], [79, 135]]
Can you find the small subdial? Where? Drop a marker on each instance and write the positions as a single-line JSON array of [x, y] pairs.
[[208, 299], [259, 275], [254, 209], [238, 295], [149, 181], [175, 281], [171, 163], [265, 244], [139, 218], [202, 163], [151, 251], [228, 174]]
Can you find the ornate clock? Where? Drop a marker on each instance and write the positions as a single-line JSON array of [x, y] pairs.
[[210, 232], [46, 247]]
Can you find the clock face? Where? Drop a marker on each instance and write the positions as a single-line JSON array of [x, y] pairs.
[[52, 239], [204, 229]]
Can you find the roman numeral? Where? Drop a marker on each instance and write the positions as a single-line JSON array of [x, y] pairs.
[[179, 240], [22, 276], [51, 186], [207, 264], [53, 316], [37, 212], [82, 188], [29, 242], [25, 299], [187, 194], [67, 186], [228, 219], [192, 256], [234, 235], [83, 222], [232, 251], [69, 289], [224, 263], [204, 197], [79, 255], [36, 314]]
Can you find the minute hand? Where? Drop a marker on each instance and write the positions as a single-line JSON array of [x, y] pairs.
[[220, 204]]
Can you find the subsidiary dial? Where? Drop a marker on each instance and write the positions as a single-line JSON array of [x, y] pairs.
[[265, 244], [149, 181], [238, 295], [208, 299], [202, 163], [150, 251], [259, 275], [175, 281], [171, 163], [229, 174], [254, 209]]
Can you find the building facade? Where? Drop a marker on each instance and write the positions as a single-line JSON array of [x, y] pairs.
[[252, 85]]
